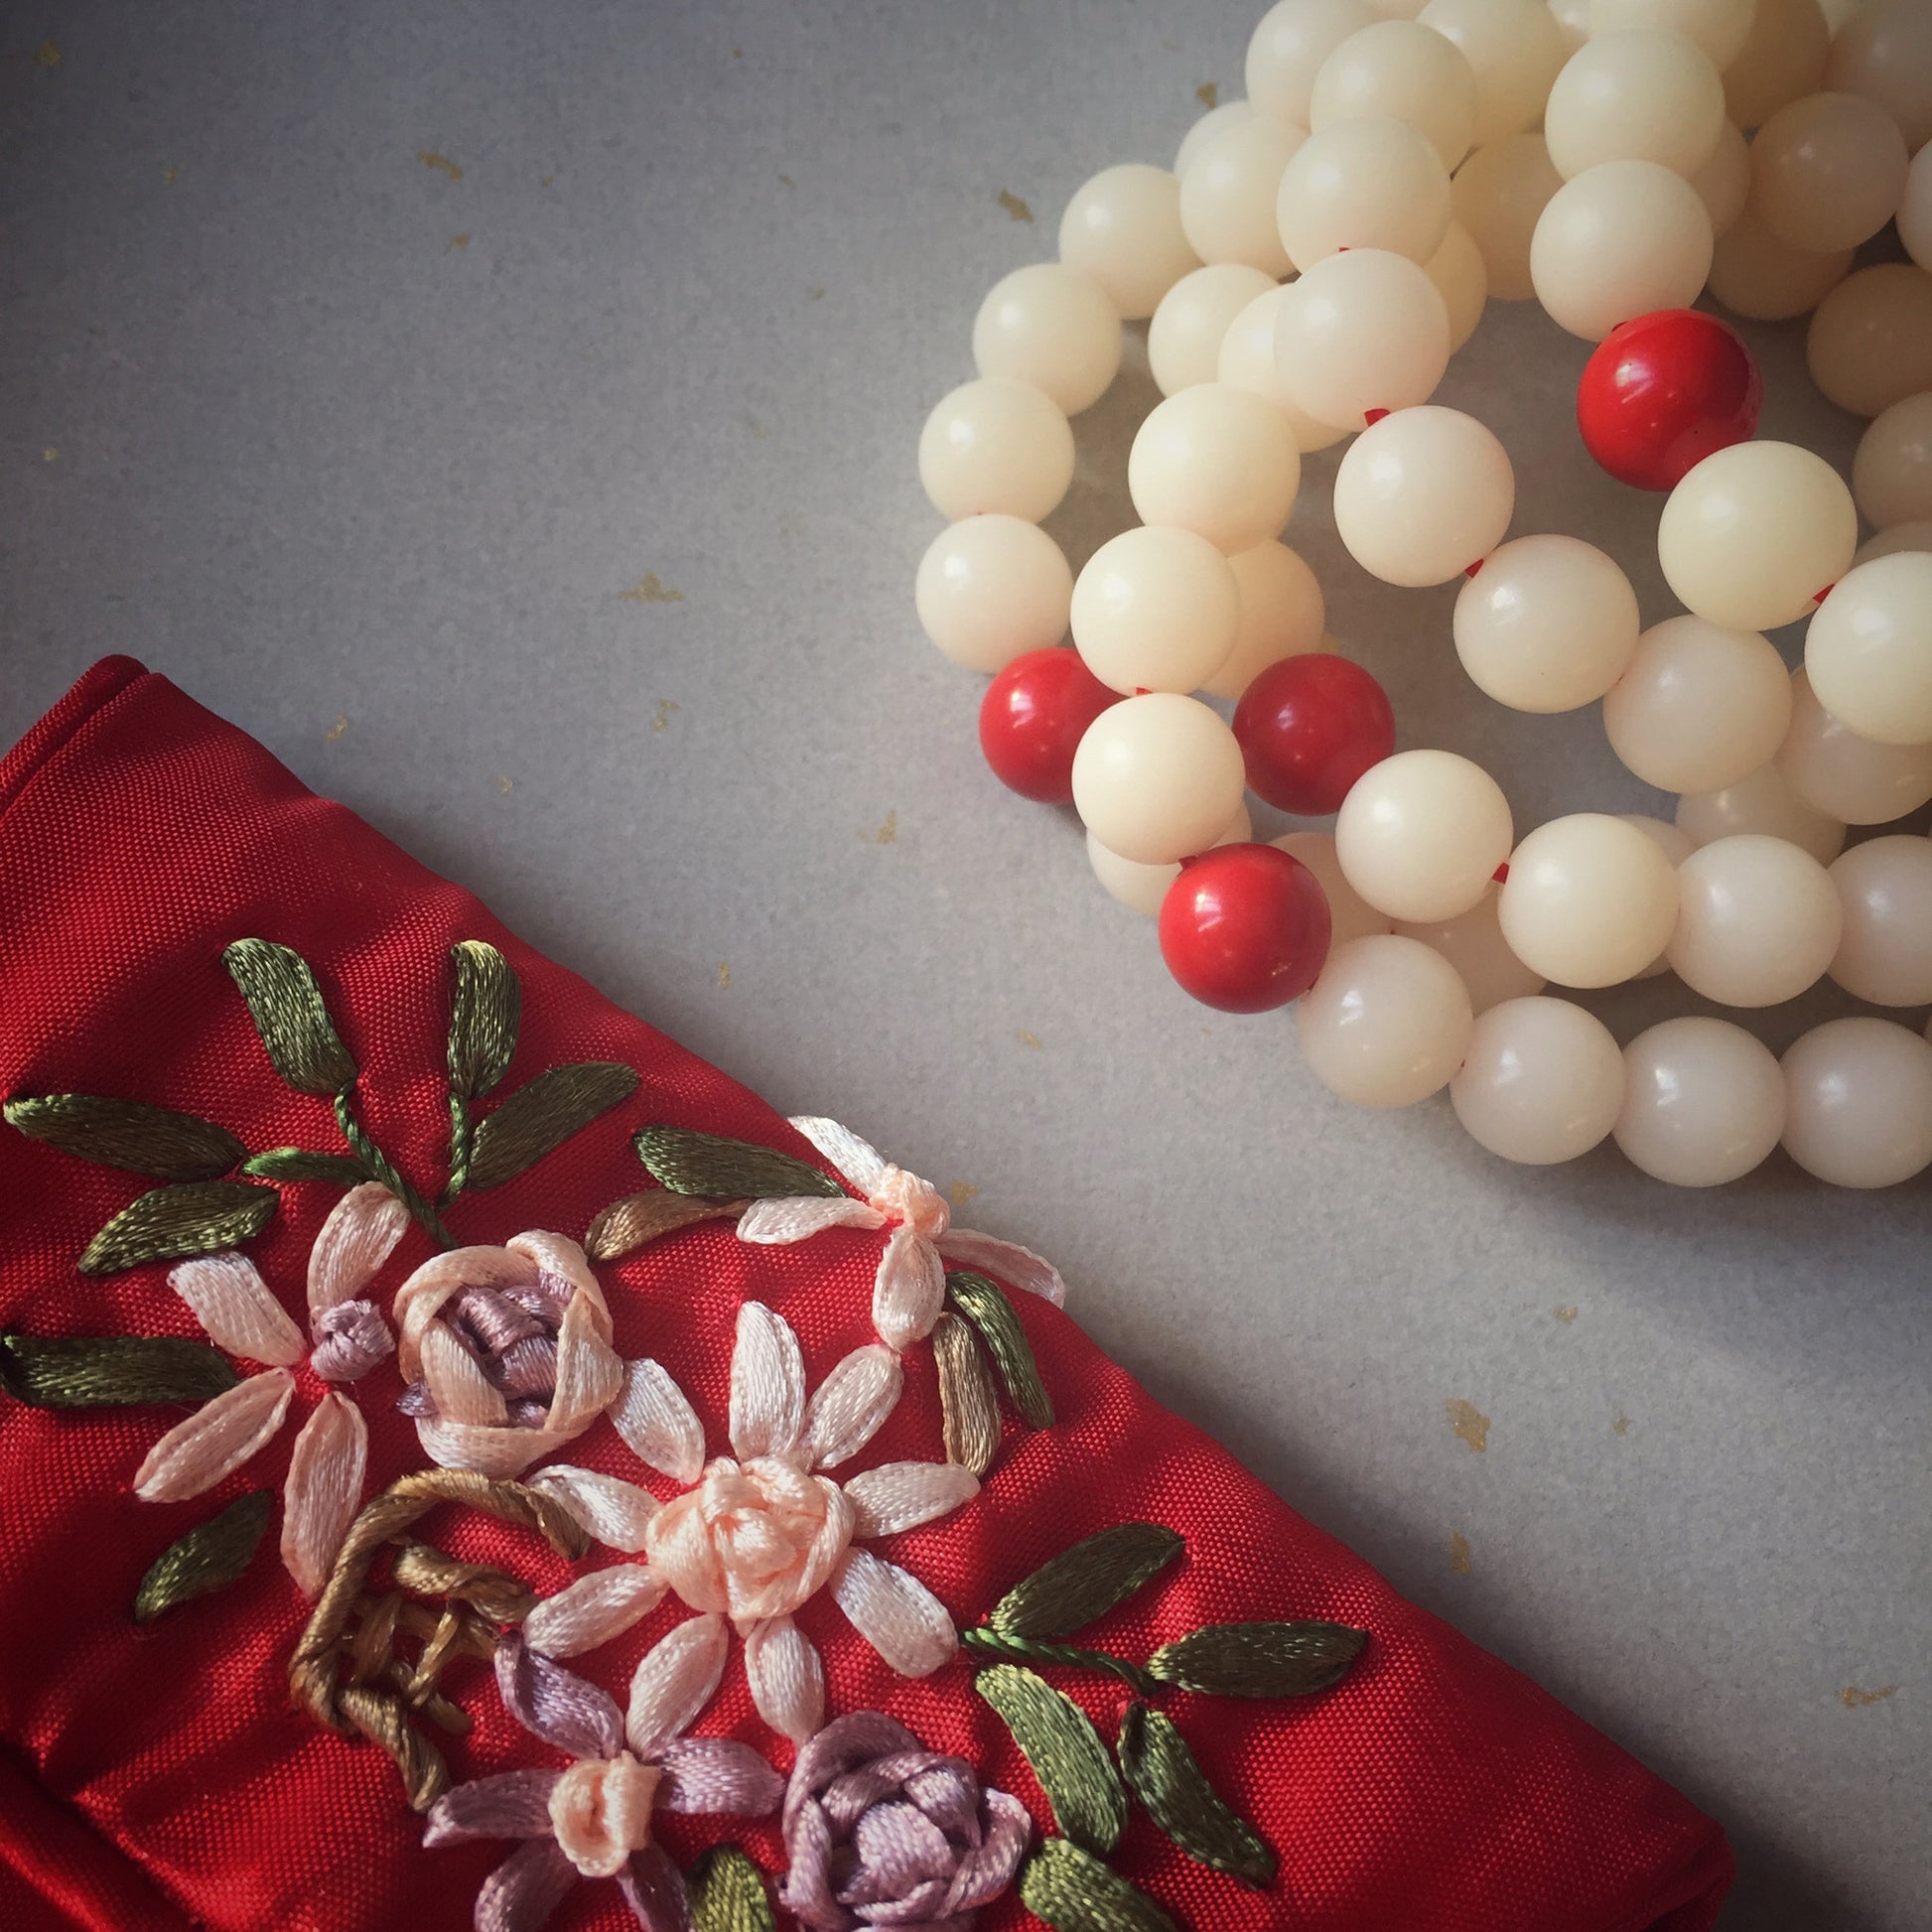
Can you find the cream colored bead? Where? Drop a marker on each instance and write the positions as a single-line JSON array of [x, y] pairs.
[[1155, 610], [1756, 533], [1157, 779], [1703, 1102], [996, 447], [1281, 614], [1758, 921], [1676, 845], [1387, 1024], [1473, 943], [1420, 836], [1868, 649], [1213, 122], [1052, 326], [1351, 916], [1371, 183], [1184, 340], [1590, 901], [1227, 194], [1700, 707], [1884, 52], [1849, 777], [1884, 890], [1916, 535], [1618, 242], [1859, 1103], [1461, 281], [1216, 459], [1891, 475], [991, 588], [1362, 330], [1783, 59], [1763, 802], [1573, 22], [1143, 888], [1423, 494], [1826, 172], [1514, 49], [1404, 68], [1288, 47], [1719, 27], [1757, 276], [1635, 95], [1123, 229], [1915, 208], [1499, 194], [1870, 342], [1547, 624], [1724, 183], [1248, 362], [1542, 1082]]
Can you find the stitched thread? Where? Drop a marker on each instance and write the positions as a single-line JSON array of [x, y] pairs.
[[380, 1167], [996, 1644], [626, 1226], [727, 1893], [92, 1372], [486, 1012], [291, 1016], [1082, 1584], [1056, 1737], [689, 1163], [1073, 1892], [540, 1116], [984, 1304], [125, 1134], [208, 1558], [298, 1164], [196, 1217], [969, 1410], [1259, 1660], [1163, 1774]]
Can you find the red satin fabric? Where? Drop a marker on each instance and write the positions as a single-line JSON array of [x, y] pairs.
[[158, 1777]]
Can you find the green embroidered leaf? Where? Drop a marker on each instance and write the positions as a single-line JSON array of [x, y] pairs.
[[1073, 1892], [1083, 1583], [1259, 1660], [1067, 1757], [286, 1007], [984, 1304], [125, 1134], [483, 1019], [540, 1117], [726, 1891], [969, 1410], [298, 1164], [689, 1163], [199, 1218], [1163, 1774], [629, 1224], [211, 1556], [101, 1371]]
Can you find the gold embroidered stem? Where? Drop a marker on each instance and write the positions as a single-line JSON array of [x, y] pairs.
[[379, 1164]]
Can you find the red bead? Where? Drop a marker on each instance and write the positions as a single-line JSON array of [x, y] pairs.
[[1308, 727], [1245, 928], [1032, 717], [1664, 392]]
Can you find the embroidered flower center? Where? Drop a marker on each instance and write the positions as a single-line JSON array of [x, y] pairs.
[[510, 1335], [600, 1812], [904, 1198], [349, 1339]]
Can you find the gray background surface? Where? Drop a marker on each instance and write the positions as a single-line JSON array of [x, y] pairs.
[[329, 434]]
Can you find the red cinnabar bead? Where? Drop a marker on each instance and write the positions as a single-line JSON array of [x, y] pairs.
[[1032, 717], [1245, 928], [1308, 728], [1664, 392]]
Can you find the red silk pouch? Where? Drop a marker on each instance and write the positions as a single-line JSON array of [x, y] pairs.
[[753, 1413]]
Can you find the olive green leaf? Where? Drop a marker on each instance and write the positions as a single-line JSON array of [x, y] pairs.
[[211, 1556], [969, 1411], [1081, 1584], [727, 1893], [201, 1217], [629, 1224], [103, 1371], [126, 1134], [298, 1164], [286, 1007], [689, 1163], [483, 1019], [1163, 1773], [1259, 1660], [540, 1117], [1059, 1741], [984, 1304], [1073, 1892]]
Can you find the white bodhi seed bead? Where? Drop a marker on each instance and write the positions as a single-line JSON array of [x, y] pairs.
[[1635, 95], [1420, 836], [1499, 194], [1184, 340], [1123, 229], [1757, 276], [1473, 943], [1402, 68], [1219, 461], [1915, 208], [1758, 921], [1859, 1103], [1052, 326], [1288, 47], [1762, 802], [1719, 27], [1514, 49], [1703, 1102], [1248, 362], [1884, 52], [991, 588], [1700, 707], [1461, 280], [1590, 901], [1543, 1081], [1724, 183], [1870, 342], [1618, 241], [1868, 649], [1351, 916], [1676, 845], [1213, 122], [996, 447], [1851, 778], [1282, 615], [1826, 172], [1783, 58], [1891, 475], [1547, 624], [1362, 331], [1884, 890], [1372, 183], [1754, 534], [1387, 1024], [1916, 535], [1423, 494], [1143, 888], [1157, 779], [1227, 194], [1155, 610]]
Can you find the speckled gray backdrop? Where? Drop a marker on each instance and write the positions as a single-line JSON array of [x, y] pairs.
[[508, 413]]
